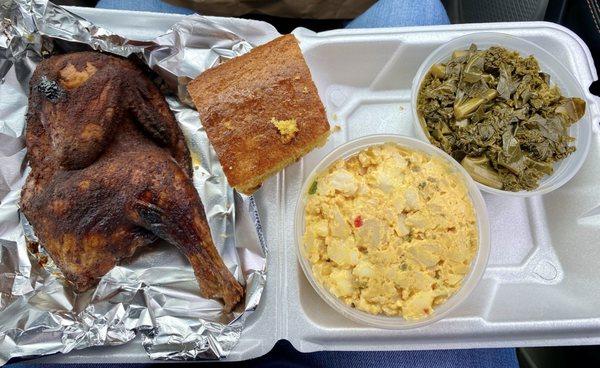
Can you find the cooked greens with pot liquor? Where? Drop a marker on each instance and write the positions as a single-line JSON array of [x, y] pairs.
[[498, 115]]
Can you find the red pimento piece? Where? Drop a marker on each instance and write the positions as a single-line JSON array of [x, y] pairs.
[[358, 222]]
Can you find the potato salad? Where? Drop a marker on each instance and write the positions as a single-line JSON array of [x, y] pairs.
[[390, 231]]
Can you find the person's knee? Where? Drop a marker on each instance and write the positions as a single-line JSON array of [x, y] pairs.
[[399, 13]]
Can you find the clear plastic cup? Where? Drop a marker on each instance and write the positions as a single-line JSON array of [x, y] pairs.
[[565, 169], [477, 265]]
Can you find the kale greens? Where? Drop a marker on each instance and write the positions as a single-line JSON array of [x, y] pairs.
[[498, 115]]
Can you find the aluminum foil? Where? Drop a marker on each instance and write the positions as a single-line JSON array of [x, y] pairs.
[[155, 293]]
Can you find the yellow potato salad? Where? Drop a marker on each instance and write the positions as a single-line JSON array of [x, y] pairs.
[[390, 231]]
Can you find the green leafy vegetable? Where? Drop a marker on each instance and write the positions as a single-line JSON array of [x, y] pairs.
[[313, 188], [480, 170], [497, 114]]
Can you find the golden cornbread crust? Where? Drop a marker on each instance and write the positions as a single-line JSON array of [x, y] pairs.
[[238, 100]]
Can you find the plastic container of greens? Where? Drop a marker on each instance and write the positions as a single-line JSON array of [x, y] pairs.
[[565, 169], [478, 264]]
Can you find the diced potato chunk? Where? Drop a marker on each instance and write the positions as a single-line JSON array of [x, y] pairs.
[[370, 233], [363, 269], [419, 305], [423, 256], [401, 228], [342, 253], [343, 181], [339, 227], [411, 195], [342, 283]]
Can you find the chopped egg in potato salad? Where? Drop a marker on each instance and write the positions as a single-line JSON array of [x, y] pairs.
[[390, 231]]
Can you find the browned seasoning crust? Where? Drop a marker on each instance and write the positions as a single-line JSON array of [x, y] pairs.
[[111, 173], [238, 101]]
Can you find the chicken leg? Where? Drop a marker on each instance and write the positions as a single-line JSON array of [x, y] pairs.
[[111, 173]]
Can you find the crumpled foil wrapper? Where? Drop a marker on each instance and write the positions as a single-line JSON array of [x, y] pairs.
[[155, 293]]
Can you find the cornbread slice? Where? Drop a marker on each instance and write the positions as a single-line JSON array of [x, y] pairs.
[[261, 112]]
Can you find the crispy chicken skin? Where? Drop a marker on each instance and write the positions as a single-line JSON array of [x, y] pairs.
[[111, 173]]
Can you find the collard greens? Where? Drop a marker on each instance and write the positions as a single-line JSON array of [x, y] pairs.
[[498, 115]]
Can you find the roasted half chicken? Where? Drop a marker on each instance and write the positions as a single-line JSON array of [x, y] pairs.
[[110, 173]]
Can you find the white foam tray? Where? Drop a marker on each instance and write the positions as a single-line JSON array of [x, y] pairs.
[[542, 286]]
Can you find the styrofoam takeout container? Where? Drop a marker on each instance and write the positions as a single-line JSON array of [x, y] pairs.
[[541, 285], [565, 169], [478, 263]]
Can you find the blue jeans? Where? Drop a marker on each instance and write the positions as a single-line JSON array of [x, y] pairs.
[[385, 13]]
